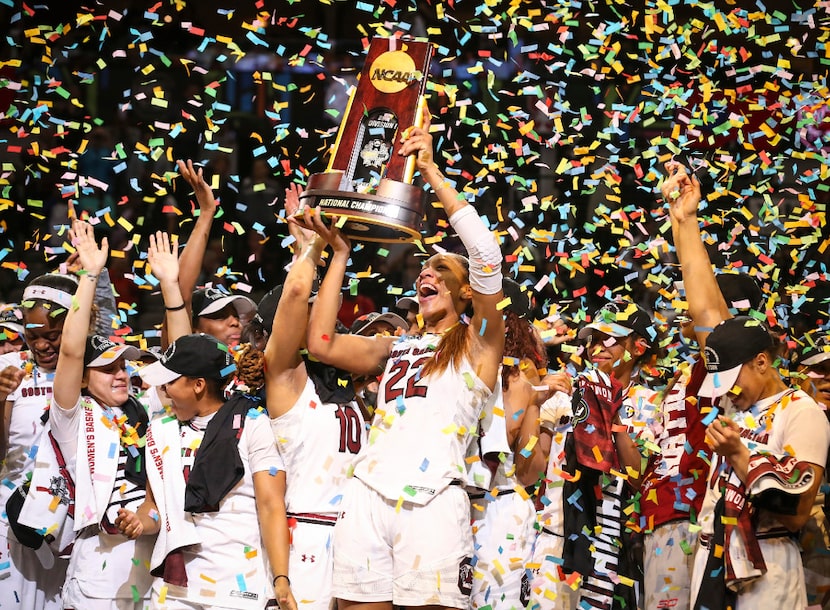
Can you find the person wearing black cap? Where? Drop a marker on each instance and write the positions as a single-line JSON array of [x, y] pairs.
[[673, 480], [11, 328], [774, 425], [673, 477], [256, 331], [315, 417], [404, 535], [216, 482], [92, 411], [746, 557]]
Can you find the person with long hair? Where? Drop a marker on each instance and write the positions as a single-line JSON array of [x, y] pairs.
[[403, 537]]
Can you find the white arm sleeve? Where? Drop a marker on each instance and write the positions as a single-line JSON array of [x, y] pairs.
[[482, 249]]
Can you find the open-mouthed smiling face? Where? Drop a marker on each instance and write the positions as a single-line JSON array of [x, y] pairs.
[[443, 290]]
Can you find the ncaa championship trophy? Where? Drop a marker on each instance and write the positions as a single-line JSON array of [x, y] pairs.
[[367, 183]]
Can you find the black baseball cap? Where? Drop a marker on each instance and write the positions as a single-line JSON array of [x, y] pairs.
[[11, 317], [519, 298], [266, 309], [196, 355], [741, 292], [210, 300], [101, 351], [620, 319], [729, 346], [814, 348]]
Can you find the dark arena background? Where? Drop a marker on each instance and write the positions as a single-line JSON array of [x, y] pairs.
[[554, 118]]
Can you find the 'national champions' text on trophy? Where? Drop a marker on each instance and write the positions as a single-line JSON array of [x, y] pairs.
[[367, 183]]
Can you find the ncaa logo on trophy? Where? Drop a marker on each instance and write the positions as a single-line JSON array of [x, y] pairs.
[[367, 183]]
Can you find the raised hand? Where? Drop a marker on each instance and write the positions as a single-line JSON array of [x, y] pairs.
[[312, 220], [195, 178], [91, 256], [681, 191], [418, 141], [292, 205], [163, 258]]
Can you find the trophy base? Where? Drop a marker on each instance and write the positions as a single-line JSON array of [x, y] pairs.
[[392, 214]]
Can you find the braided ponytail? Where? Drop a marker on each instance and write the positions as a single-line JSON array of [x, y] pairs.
[[250, 364]]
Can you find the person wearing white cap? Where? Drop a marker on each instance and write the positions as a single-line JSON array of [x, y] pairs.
[[219, 313], [216, 483], [672, 483], [93, 411], [622, 340], [768, 456]]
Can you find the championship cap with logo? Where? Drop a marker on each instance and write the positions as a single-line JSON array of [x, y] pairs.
[[520, 303], [363, 324], [102, 351], [11, 317], [729, 346], [207, 301], [620, 319], [814, 348]]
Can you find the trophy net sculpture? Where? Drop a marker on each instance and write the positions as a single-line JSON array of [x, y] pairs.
[[367, 183]]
